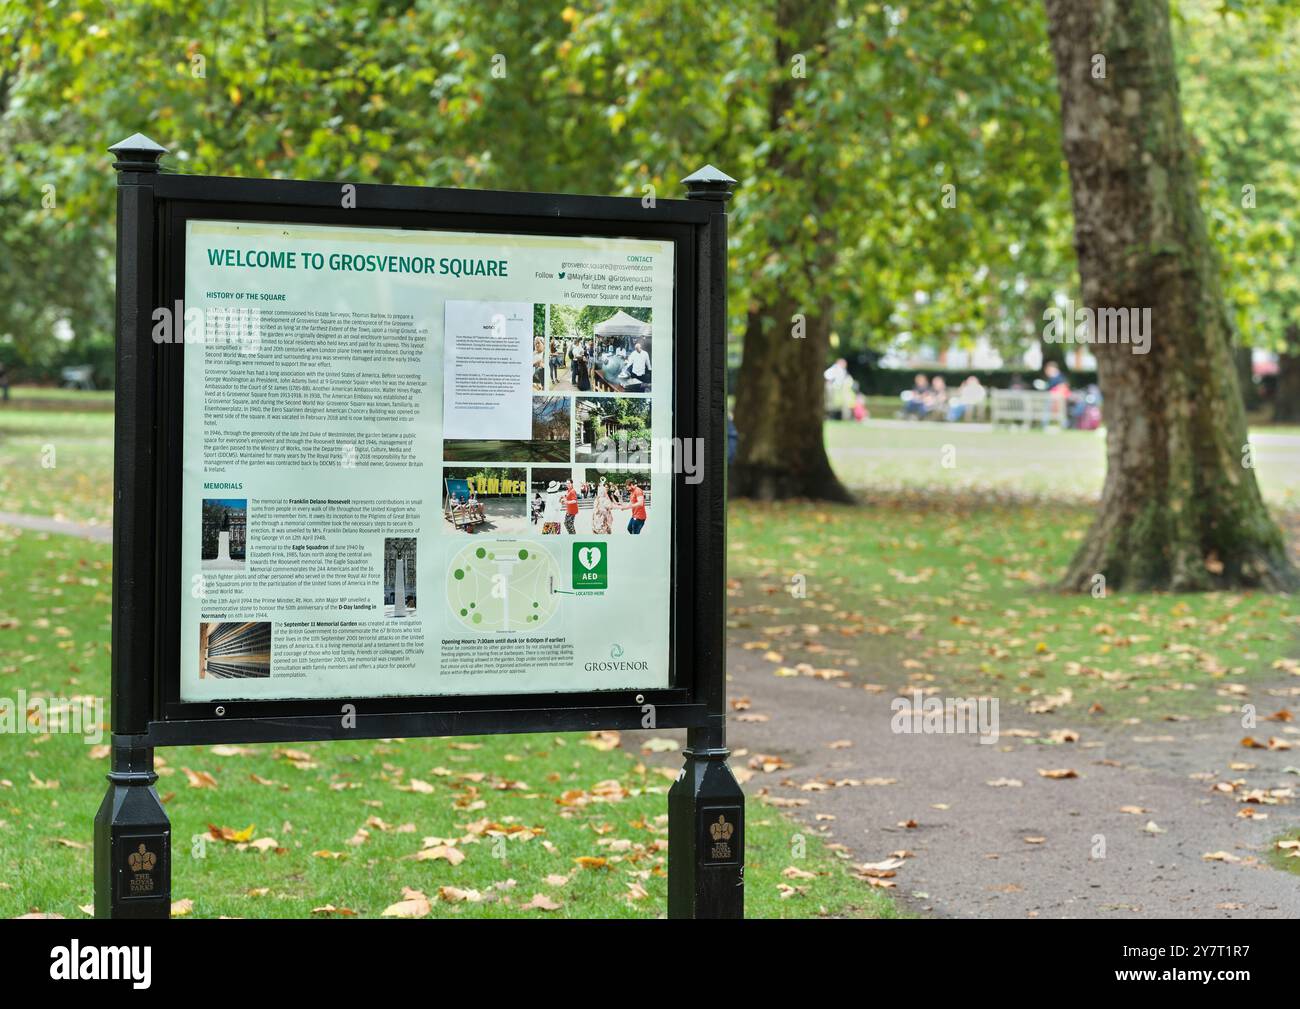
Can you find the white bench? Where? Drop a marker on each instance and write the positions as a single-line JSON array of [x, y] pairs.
[[79, 377], [1028, 407]]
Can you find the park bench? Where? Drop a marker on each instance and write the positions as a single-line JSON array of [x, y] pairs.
[[79, 377], [1027, 407]]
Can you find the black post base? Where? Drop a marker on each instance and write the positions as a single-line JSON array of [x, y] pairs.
[[133, 862], [706, 834]]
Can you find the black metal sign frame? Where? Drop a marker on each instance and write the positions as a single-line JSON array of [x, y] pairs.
[[153, 209]]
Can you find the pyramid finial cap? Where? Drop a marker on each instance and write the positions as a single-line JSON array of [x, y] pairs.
[[137, 153], [709, 183]]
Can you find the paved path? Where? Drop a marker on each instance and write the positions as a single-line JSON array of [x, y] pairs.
[[40, 523], [971, 857]]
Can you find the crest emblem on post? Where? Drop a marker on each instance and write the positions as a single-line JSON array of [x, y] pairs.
[[722, 830], [142, 860]]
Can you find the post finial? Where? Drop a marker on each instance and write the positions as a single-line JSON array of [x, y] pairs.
[[709, 183], [137, 153]]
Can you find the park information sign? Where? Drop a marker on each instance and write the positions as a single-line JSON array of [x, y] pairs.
[[396, 461], [428, 463]]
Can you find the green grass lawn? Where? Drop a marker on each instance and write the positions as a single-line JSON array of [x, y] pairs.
[[953, 594], [57, 463], [949, 459], [1286, 858], [35, 397]]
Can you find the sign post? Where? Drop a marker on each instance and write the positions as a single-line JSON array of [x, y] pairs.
[[706, 808], [375, 449], [132, 832]]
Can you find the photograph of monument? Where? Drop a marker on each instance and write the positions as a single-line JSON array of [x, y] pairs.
[[235, 650], [223, 534], [399, 576]]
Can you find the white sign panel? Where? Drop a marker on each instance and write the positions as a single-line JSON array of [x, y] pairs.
[[423, 462]]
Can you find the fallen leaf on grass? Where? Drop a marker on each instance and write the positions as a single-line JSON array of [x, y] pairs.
[[455, 895], [199, 779], [541, 902], [226, 750], [229, 834], [1220, 856], [416, 905], [180, 908], [453, 856], [331, 909], [793, 872]]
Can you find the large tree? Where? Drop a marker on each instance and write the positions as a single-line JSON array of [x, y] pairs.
[[1181, 508], [779, 398], [899, 188]]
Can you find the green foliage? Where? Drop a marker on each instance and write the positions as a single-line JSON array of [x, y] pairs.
[[1246, 124], [843, 120]]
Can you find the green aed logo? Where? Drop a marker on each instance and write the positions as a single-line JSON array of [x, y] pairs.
[[590, 566]]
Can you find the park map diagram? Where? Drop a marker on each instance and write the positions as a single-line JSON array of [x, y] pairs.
[[505, 585]]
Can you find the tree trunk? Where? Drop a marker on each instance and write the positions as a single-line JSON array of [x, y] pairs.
[[780, 406], [780, 395], [1286, 398], [1181, 509], [1242, 358]]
